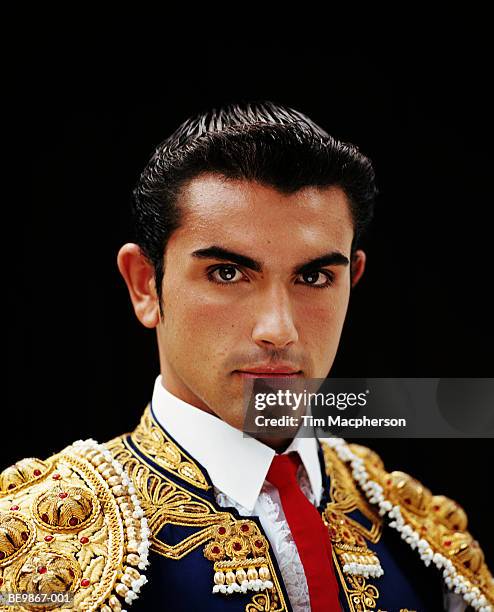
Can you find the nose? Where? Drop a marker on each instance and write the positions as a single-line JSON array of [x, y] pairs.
[[274, 325]]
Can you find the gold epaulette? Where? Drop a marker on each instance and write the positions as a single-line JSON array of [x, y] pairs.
[[440, 521], [71, 526]]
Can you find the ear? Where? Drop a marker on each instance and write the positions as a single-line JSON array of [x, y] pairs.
[[358, 266], [138, 274]]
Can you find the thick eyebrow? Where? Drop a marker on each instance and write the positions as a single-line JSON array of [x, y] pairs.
[[334, 258]]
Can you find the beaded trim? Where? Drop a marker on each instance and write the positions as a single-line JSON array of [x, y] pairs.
[[134, 523], [374, 492]]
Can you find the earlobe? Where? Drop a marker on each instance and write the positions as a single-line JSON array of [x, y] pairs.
[[138, 274], [358, 266]]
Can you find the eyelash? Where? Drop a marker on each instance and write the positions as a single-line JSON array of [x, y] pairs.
[[329, 276]]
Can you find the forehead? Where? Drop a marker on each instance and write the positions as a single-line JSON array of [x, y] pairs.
[[258, 217]]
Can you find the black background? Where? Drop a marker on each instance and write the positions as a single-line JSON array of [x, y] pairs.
[[81, 366]]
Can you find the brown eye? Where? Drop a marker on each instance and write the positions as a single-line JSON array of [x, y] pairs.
[[225, 274], [317, 278]]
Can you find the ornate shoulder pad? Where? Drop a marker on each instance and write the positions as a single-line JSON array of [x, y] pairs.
[[432, 524], [71, 527]]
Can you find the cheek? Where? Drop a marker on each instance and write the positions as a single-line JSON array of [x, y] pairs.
[[211, 316], [205, 322], [324, 314], [320, 322]]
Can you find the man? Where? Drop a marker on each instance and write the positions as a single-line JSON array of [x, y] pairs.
[[248, 220]]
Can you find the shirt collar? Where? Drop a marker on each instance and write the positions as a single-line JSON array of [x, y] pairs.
[[237, 464]]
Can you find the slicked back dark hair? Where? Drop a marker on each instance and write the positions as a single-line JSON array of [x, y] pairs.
[[258, 141]]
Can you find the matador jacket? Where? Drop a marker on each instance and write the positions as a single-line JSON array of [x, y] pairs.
[[134, 524]]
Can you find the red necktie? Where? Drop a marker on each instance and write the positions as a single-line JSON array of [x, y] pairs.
[[309, 532]]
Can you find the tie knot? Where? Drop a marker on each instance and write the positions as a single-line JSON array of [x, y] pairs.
[[283, 470]]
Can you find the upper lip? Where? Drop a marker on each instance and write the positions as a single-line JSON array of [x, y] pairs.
[[273, 368]]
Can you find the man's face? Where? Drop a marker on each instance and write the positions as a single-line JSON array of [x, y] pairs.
[[252, 305]]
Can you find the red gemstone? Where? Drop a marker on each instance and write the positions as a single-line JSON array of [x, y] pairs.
[[85, 582], [56, 477], [408, 501], [456, 527], [221, 530], [73, 521], [48, 538], [2, 554], [244, 528], [14, 507], [84, 540], [44, 518], [215, 550], [24, 536], [447, 543], [11, 486], [237, 546], [258, 543], [62, 495], [389, 482], [436, 508], [42, 570], [1, 581], [37, 472]]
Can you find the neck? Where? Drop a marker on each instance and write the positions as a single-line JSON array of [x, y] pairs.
[[278, 444]]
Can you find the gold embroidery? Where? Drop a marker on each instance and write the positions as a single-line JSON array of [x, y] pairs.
[[63, 531], [153, 442], [17, 534], [360, 595], [22, 474], [345, 498], [348, 536], [166, 502], [239, 554], [441, 521], [63, 508], [264, 602], [62, 575]]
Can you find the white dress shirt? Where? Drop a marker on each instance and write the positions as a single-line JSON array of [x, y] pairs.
[[242, 483]]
